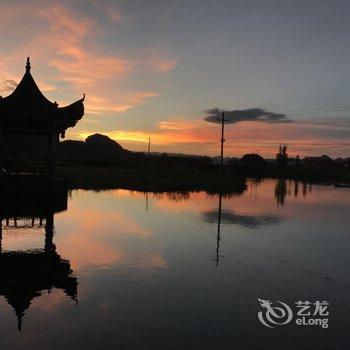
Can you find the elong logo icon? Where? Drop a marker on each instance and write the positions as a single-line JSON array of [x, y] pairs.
[[278, 313], [273, 316]]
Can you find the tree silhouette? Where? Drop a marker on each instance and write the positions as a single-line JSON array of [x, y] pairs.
[[282, 156]]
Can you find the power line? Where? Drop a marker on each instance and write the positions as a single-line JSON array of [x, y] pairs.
[[316, 110], [321, 111]]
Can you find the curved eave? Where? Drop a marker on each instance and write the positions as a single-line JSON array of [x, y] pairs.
[[68, 116]]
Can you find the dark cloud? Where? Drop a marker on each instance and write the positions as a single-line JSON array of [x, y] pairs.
[[250, 114], [7, 86]]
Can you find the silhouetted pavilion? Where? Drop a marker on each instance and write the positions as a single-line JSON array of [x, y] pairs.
[[25, 275], [30, 127]]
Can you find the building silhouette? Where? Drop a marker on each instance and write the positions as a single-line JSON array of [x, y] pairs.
[[30, 127], [25, 275]]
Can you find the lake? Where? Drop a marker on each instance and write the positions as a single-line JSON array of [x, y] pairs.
[[172, 271]]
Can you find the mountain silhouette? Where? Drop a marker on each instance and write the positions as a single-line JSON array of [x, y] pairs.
[[96, 149]]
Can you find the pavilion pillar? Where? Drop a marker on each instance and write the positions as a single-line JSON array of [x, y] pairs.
[[49, 228], [52, 152], [2, 149], [0, 235]]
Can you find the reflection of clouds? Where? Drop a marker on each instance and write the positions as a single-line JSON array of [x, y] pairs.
[[93, 234], [87, 251], [302, 200], [50, 301], [99, 237], [148, 260], [22, 240], [247, 220]]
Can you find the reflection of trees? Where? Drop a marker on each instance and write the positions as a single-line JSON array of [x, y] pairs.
[[307, 188], [253, 185], [281, 191], [296, 188], [24, 275], [173, 196], [178, 196], [304, 189]]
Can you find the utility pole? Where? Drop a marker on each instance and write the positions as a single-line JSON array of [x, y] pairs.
[[222, 140], [149, 147], [149, 155]]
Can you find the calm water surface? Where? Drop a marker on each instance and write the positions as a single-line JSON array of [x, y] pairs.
[[154, 271]]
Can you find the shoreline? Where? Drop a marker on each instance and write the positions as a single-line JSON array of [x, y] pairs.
[[92, 177]]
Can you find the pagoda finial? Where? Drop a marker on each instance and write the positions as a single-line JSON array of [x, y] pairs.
[[19, 315], [19, 323], [28, 65]]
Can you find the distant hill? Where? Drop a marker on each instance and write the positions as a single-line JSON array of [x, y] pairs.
[[97, 149], [100, 150]]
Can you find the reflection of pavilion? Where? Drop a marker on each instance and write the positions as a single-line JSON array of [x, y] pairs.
[[25, 274]]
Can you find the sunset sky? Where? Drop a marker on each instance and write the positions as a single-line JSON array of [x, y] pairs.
[[152, 68]]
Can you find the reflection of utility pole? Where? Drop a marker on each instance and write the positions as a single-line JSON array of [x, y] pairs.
[[223, 120], [218, 237], [146, 195]]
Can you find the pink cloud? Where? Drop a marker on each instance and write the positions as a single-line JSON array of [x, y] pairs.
[[63, 46], [200, 137], [110, 11], [75, 63], [100, 104], [163, 65], [115, 15], [7, 85]]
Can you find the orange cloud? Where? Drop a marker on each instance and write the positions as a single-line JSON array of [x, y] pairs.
[[109, 11], [63, 44], [200, 137], [163, 65], [100, 104], [115, 15]]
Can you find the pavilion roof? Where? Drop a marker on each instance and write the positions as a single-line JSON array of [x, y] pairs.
[[25, 275], [27, 104]]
